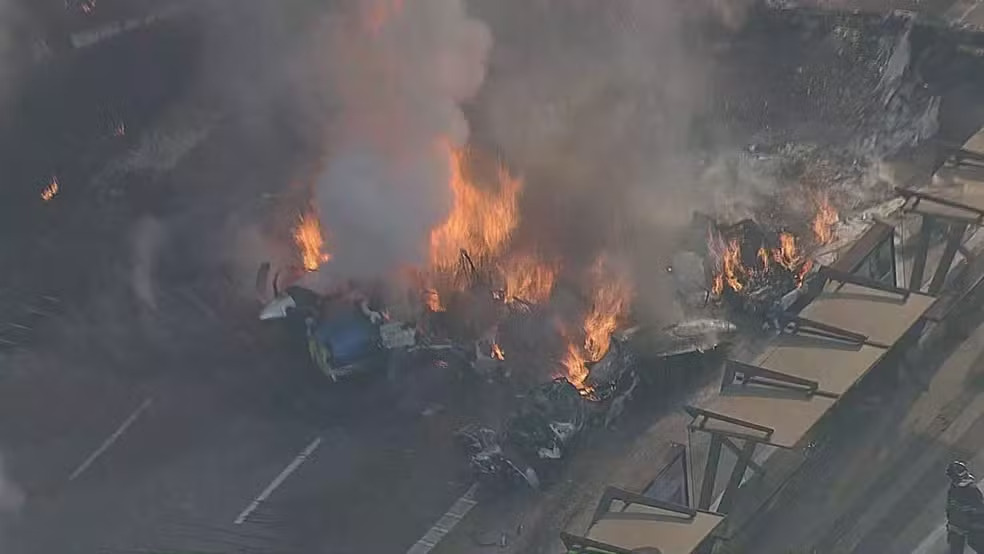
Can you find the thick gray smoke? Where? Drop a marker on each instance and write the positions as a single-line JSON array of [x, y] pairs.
[[596, 103], [398, 73]]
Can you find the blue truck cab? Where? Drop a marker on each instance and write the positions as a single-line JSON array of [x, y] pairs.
[[344, 342], [344, 337]]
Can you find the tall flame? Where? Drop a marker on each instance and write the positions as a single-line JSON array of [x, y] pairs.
[[823, 222], [610, 297], [496, 352], [310, 241], [787, 255], [528, 278], [433, 300], [481, 221], [51, 190]]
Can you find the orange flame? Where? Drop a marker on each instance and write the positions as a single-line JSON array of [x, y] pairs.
[[497, 352], [824, 220], [51, 190], [433, 300], [734, 275], [732, 271], [763, 255], [310, 241], [528, 278], [481, 221], [787, 255], [576, 365], [610, 299]]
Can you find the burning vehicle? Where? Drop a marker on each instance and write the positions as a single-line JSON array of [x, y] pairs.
[[550, 418], [346, 331]]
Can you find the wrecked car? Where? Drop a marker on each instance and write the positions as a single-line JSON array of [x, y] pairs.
[[346, 332], [550, 418], [541, 429]]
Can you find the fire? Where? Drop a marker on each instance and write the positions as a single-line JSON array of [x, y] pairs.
[[787, 255], [497, 352], [763, 255], [51, 190], [576, 366], [481, 221], [433, 300], [610, 299], [734, 275], [528, 278], [824, 220], [733, 270], [310, 241]]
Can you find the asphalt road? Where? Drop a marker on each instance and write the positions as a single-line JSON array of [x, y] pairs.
[[189, 427]]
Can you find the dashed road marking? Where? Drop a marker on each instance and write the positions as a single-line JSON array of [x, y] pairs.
[[278, 480], [112, 439], [448, 521]]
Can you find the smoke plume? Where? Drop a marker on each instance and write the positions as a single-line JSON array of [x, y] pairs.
[[397, 74]]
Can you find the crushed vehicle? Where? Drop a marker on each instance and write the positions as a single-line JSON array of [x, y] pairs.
[[346, 332], [545, 426]]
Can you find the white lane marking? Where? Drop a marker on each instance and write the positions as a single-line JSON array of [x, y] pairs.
[[109, 442], [448, 521], [278, 480], [935, 541]]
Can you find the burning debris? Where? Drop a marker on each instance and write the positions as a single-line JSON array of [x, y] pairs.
[[609, 302], [310, 241], [51, 190], [552, 416], [823, 223], [756, 267]]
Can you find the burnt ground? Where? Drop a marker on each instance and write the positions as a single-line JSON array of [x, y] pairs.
[[128, 428]]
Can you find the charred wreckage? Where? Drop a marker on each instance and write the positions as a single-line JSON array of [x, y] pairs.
[[747, 272], [351, 331]]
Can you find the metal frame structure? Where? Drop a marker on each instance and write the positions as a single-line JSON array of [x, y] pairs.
[[578, 545], [683, 459], [955, 229], [742, 377]]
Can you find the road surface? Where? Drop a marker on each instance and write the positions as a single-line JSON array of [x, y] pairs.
[[183, 426]]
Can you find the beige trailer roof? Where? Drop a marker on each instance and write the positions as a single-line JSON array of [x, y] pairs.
[[789, 415], [963, 184], [880, 315], [834, 365], [975, 143], [639, 526]]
